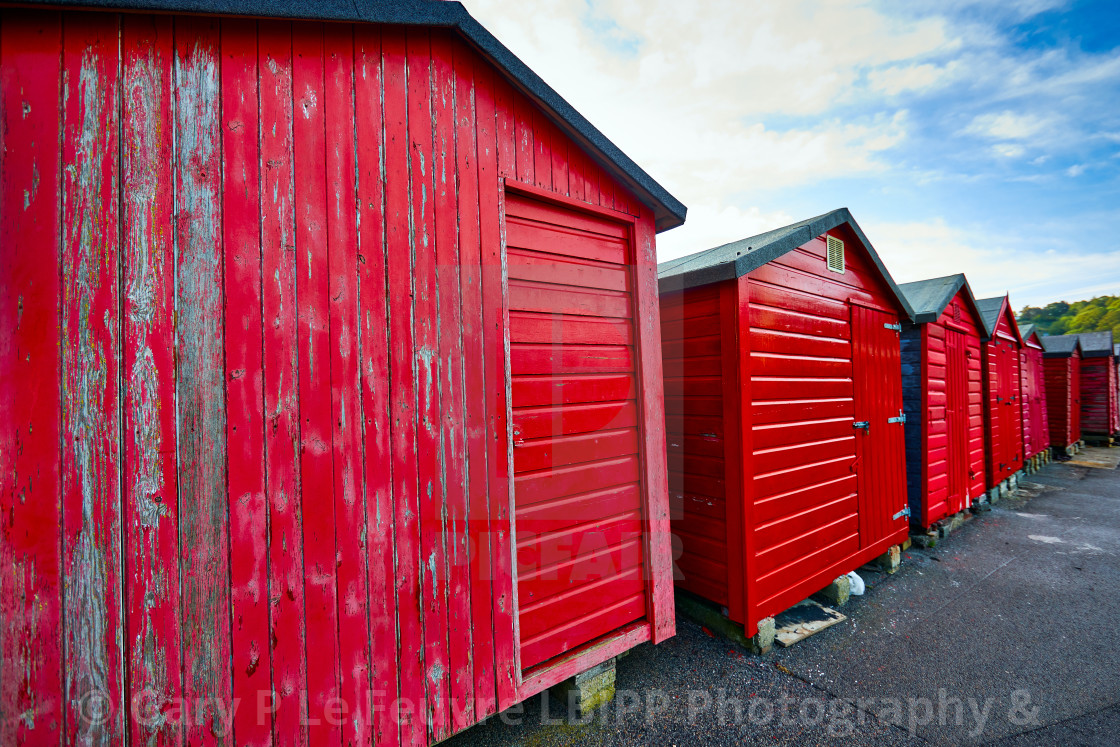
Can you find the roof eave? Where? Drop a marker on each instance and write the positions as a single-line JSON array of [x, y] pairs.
[[787, 243]]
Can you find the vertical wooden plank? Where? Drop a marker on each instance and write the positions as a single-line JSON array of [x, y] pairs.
[[400, 276], [474, 108], [524, 144], [606, 189], [542, 149], [31, 661], [241, 208], [91, 437], [200, 388], [281, 381], [747, 469], [495, 341], [460, 687], [429, 379], [373, 341], [560, 150], [316, 464], [342, 250], [591, 180], [501, 94], [733, 478], [576, 165], [652, 402], [151, 484]]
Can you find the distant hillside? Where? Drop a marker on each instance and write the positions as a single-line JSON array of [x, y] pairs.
[[1061, 318]]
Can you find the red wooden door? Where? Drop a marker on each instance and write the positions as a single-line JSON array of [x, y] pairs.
[[1005, 412], [880, 445], [956, 381], [578, 496]]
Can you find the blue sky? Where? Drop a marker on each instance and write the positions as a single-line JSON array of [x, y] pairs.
[[976, 136]]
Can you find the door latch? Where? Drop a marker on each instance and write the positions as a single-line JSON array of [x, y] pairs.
[[900, 514], [900, 419], [865, 424], [895, 327]]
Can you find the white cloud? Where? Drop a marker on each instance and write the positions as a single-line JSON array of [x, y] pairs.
[[1008, 125], [1076, 170], [901, 78]]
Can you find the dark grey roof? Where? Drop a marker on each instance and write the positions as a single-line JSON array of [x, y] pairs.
[[989, 309], [1059, 346], [668, 211], [740, 257], [1116, 350], [1096, 344], [928, 298], [1027, 331]]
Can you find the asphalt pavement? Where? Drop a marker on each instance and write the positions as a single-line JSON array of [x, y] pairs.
[[1005, 633]]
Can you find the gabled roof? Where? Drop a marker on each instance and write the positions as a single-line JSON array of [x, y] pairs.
[[1059, 346], [740, 257], [990, 310], [1096, 344], [668, 211], [1028, 330], [929, 298]]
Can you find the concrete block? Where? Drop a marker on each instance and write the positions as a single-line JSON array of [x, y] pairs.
[[993, 495], [835, 594], [762, 641], [926, 540], [889, 561], [587, 690], [907, 543]]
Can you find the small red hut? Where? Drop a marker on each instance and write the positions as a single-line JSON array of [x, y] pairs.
[[1062, 360], [1099, 411], [331, 371], [1003, 397], [1036, 424], [943, 389], [783, 395]]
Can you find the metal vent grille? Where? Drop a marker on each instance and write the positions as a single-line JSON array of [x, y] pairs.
[[956, 312], [835, 254]]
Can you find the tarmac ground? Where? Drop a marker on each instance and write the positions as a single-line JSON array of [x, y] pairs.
[[1004, 633]]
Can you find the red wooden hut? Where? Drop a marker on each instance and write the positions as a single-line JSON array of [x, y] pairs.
[[332, 362], [1099, 412], [1003, 396], [1032, 377], [943, 391], [1061, 358], [783, 400]]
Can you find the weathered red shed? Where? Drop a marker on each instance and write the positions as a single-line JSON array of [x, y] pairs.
[[943, 391], [331, 362], [1061, 357], [1098, 386], [783, 397], [1003, 396], [1032, 376]]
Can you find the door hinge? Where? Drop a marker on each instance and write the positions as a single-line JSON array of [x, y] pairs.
[[865, 424], [900, 419], [895, 327], [900, 514]]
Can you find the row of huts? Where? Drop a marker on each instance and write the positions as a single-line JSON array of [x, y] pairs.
[[817, 412], [344, 400]]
